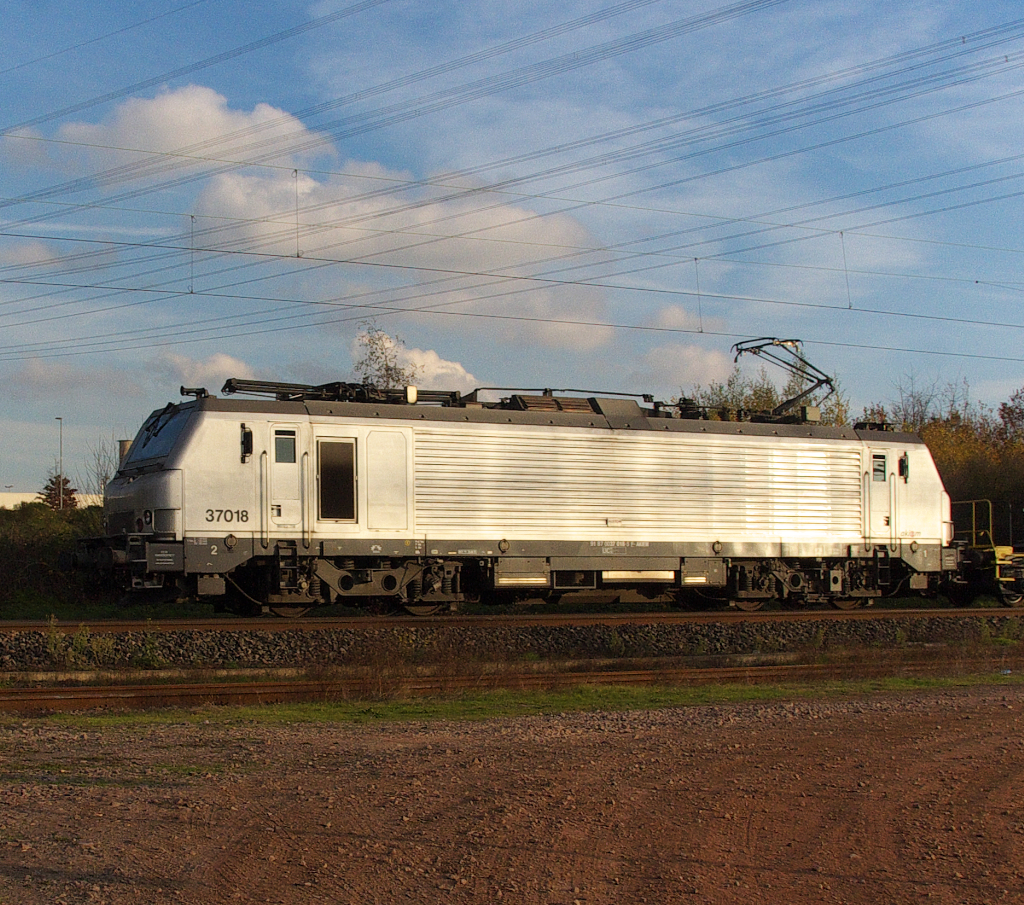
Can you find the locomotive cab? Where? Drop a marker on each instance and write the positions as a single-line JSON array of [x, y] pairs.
[[145, 496]]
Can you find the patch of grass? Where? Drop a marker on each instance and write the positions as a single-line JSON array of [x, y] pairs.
[[614, 644], [48, 774], [148, 656]]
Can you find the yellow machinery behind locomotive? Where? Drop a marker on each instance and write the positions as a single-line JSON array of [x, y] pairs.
[[991, 562]]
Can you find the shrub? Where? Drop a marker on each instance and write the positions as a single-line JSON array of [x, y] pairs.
[[33, 539]]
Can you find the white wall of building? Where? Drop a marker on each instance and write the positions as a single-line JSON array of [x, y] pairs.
[[10, 500]]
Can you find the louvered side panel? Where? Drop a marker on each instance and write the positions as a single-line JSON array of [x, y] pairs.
[[678, 486]]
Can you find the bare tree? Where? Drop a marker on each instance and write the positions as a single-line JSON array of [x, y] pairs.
[[917, 404], [100, 466], [379, 363], [759, 393]]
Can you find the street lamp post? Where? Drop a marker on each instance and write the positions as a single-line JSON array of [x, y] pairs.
[[60, 478]]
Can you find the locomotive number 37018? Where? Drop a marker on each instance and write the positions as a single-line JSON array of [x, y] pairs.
[[227, 515]]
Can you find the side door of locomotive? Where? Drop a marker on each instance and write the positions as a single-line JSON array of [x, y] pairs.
[[879, 481], [286, 482]]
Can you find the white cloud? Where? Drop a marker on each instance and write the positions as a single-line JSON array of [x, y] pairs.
[[677, 317], [996, 390], [26, 253], [437, 373], [23, 149], [182, 118], [425, 247], [678, 367], [210, 372], [63, 383]]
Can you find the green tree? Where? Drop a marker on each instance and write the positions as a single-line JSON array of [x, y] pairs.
[[1011, 414], [58, 492]]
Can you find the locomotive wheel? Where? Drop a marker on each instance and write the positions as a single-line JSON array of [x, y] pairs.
[[1011, 598], [847, 603], [749, 604], [290, 612], [422, 609]]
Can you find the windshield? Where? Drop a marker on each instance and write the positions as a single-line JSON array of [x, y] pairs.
[[157, 437]]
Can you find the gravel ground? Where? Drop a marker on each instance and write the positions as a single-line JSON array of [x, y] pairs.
[[67, 646], [883, 799]]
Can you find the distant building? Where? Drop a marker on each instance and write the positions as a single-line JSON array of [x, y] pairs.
[[10, 500]]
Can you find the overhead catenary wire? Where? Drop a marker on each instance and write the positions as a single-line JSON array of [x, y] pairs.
[[192, 247], [191, 68], [403, 111], [535, 215], [524, 264], [515, 278], [435, 202], [759, 218], [592, 283], [151, 343], [117, 32], [1009, 29], [889, 203]]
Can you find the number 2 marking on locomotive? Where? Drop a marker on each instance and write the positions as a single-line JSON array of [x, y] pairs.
[[227, 515]]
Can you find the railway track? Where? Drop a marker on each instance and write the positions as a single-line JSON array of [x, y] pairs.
[[52, 699]]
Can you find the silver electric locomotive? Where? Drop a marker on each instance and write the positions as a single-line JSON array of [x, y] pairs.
[[343, 493]]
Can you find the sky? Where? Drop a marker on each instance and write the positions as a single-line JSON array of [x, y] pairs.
[[600, 195]]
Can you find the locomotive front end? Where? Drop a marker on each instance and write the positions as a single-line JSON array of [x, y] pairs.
[[142, 506]]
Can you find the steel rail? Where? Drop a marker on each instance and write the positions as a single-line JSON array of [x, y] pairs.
[[369, 686]]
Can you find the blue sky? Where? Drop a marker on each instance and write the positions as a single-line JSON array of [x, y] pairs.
[[603, 195]]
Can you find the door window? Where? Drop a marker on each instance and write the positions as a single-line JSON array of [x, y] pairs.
[[284, 446], [878, 467], [336, 462]]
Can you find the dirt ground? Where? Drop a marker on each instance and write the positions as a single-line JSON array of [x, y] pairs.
[[890, 799]]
